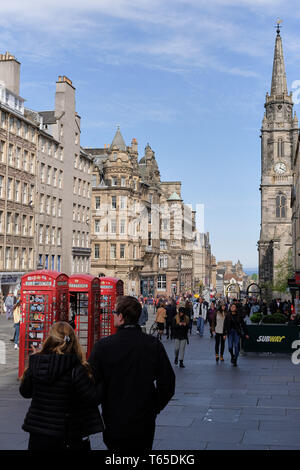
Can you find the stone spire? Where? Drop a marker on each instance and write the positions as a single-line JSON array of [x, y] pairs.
[[118, 141], [279, 85]]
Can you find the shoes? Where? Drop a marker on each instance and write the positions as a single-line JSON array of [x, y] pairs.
[[176, 360], [217, 357], [221, 358], [16, 346], [12, 340], [232, 359], [181, 364]]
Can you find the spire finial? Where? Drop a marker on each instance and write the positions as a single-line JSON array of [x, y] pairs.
[[278, 26]]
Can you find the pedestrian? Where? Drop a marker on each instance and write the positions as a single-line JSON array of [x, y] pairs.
[[200, 313], [64, 406], [143, 317], [255, 308], [180, 328], [218, 331], [17, 316], [210, 315], [171, 313], [234, 329], [189, 313], [9, 305], [138, 380], [160, 320]]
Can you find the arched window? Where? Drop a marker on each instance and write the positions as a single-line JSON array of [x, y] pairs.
[[280, 206], [280, 148]]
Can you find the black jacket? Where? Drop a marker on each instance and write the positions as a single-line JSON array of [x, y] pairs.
[[235, 322], [64, 399], [128, 364], [180, 331], [171, 312]]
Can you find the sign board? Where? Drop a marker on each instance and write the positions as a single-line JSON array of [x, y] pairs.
[[270, 338]]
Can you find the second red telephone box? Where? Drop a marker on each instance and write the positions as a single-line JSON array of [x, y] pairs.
[[44, 300], [110, 289], [84, 291]]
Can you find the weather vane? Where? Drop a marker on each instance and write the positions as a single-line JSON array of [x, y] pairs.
[[278, 26]]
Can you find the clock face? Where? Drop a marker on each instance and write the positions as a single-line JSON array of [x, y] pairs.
[[280, 168]]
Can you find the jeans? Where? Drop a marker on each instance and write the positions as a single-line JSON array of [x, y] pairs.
[[200, 325], [9, 312], [17, 333], [234, 342], [219, 342], [180, 348]]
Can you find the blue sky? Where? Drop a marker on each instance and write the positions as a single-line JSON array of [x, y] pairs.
[[188, 76]]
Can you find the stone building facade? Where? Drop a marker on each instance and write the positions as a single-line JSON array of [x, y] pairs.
[[279, 135], [142, 232], [45, 177]]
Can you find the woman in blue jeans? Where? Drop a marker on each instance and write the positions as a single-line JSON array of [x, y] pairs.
[[234, 328]]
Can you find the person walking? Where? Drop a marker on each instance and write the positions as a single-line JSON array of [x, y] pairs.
[[218, 331], [143, 317], [234, 328], [171, 313], [210, 316], [9, 305], [160, 320], [189, 313], [64, 406], [137, 378], [181, 327], [17, 317]]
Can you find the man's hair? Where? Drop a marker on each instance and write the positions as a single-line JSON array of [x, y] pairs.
[[130, 308]]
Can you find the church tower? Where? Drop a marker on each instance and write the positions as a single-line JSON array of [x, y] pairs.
[[279, 135]]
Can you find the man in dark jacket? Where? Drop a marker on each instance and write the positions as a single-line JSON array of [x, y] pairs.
[[137, 378], [234, 328], [171, 313]]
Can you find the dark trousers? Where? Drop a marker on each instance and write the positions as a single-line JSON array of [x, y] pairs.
[[141, 443], [169, 329], [220, 344], [42, 442]]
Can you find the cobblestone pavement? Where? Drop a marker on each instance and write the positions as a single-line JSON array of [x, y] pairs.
[[216, 406]]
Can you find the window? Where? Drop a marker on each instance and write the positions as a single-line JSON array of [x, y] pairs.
[[7, 258], [1, 222], [122, 251], [122, 226], [25, 160], [30, 258], [1, 185], [113, 225], [11, 124], [10, 155], [280, 148], [16, 224], [49, 175], [114, 181], [60, 179], [41, 229], [163, 261], [17, 190], [42, 203], [59, 208], [31, 167], [47, 235], [42, 172], [161, 282], [54, 177], [164, 223], [59, 236], [2, 151], [123, 181], [25, 131], [24, 225], [3, 119], [113, 251], [114, 202], [58, 262], [18, 157], [122, 202], [79, 187], [135, 252], [97, 226], [46, 261], [54, 207], [97, 251], [8, 222], [52, 262], [163, 244], [23, 258], [30, 226], [53, 236], [16, 258], [149, 215], [48, 205], [149, 239], [97, 202], [280, 206], [25, 193], [9, 188], [19, 127], [49, 147], [31, 194]]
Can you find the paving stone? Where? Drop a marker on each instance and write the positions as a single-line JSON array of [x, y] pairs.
[[275, 438], [180, 444], [171, 420]]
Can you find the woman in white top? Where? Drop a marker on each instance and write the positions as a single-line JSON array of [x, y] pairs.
[[218, 331]]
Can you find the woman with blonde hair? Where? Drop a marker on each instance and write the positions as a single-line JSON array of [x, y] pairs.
[[64, 405]]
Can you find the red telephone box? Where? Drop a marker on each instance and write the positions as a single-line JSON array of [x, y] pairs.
[[110, 289], [44, 300], [84, 291]]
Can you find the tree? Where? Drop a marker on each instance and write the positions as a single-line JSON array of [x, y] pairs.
[[284, 270], [254, 277]]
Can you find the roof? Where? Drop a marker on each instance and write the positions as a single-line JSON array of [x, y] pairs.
[[174, 197], [48, 117], [118, 141]]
